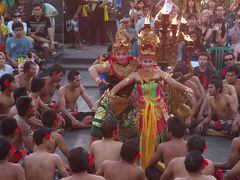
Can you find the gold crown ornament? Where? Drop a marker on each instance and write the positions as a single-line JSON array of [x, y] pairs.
[[147, 44], [121, 42]]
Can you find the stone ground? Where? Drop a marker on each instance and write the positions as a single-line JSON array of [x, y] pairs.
[[218, 148]]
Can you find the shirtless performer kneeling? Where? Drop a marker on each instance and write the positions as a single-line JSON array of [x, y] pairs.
[[67, 99]]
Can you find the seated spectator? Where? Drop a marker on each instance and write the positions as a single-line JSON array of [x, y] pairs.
[[192, 24], [234, 6], [204, 20], [191, 7], [204, 70], [53, 121], [3, 31], [29, 71], [9, 170], [18, 45], [79, 163], [39, 28], [4, 68], [24, 7], [126, 168], [224, 122], [233, 173], [141, 22], [12, 132], [18, 92], [41, 163], [217, 35], [167, 151], [67, 99], [107, 148], [7, 83], [176, 168], [194, 163], [235, 30], [16, 18], [232, 78], [229, 60]]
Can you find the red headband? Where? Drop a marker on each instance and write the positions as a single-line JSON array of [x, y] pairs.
[[7, 83], [47, 135], [19, 128], [90, 159], [55, 72]]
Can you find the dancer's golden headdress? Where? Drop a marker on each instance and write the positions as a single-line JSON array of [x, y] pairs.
[[147, 44], [121, 42]]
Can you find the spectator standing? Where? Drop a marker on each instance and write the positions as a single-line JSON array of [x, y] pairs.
[[24, 7], [4, 68]]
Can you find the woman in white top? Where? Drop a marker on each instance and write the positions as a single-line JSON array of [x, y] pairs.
[[16, 17], [4, 68]]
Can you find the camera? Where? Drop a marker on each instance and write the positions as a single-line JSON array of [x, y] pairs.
[[29, 55]]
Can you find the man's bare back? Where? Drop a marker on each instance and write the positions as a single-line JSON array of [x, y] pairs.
[[70, 96], [168, 151], [10, 171], [119, 170], [105, 150], [177, 169], [41, 165], [199, 177], [84, 176]]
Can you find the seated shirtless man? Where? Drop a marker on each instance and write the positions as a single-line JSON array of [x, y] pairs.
[[226, 114], [167, 151], [176, 167], [52, 120], [107, 148], [78, 162], [7, 83], [227, 89], [67, 99], [126, 168], [232, 79], [56, 73], [194, 163], [24, 79], [41, 164], [18, 92], [12, 132], [9, 171]]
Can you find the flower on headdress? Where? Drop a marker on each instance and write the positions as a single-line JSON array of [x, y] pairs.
[[75, 113], [19, 129], [90, 159], [16, 157], [47, 136], [224, 72], [7, 83], [58, 119], [130, 58], [30, 109], [54, 105], [205, 147], [116, 132], [139, 156], [13, 149], [112, 59], [219, 174], [205, 162], [56, 72]]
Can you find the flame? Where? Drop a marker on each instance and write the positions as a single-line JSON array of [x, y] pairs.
[[187, 37], [147, 19], [174, 21], [183, 20]]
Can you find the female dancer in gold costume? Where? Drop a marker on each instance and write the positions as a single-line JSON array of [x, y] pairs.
[[152, 112]]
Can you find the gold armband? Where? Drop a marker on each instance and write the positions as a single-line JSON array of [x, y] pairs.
[[127, 79], [98, 80]]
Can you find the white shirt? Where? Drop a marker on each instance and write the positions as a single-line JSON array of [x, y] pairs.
[[7, 70], [140, 24], [10, 30]]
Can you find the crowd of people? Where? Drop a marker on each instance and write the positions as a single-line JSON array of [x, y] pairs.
[[140, 127]]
